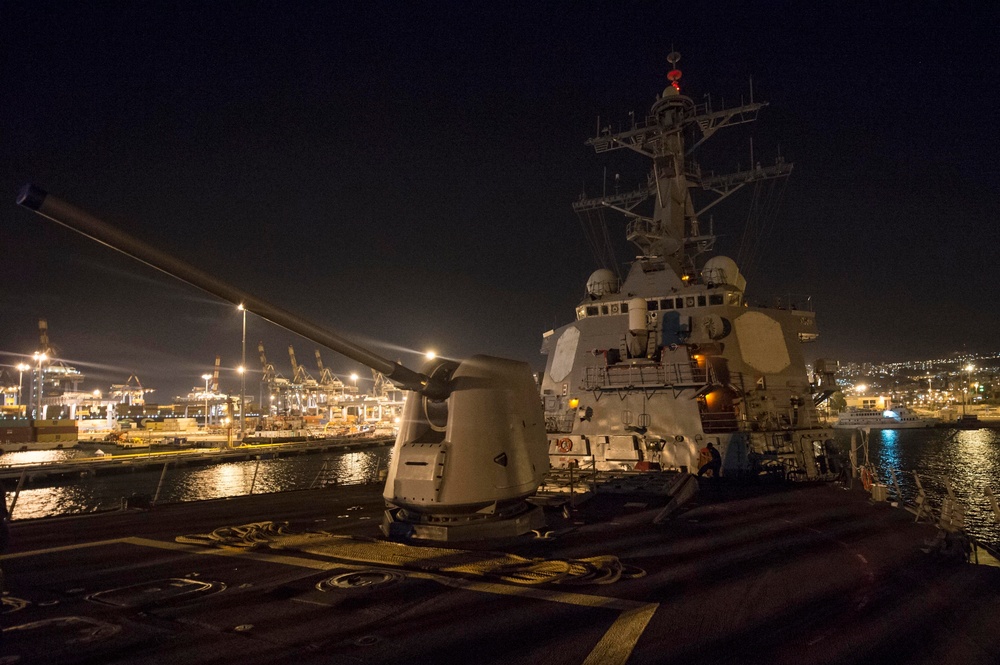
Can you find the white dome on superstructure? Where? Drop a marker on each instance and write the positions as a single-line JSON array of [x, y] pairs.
[[602, 282], [723, 271]]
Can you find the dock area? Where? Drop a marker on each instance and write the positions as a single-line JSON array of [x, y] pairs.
[[149, 458]]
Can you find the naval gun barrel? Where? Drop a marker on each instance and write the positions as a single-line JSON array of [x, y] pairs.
[[84, 223]]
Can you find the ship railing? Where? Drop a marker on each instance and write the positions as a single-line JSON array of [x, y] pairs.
[[639, 227], [934, 499], [559, 424], [716, 423], [615, 377]]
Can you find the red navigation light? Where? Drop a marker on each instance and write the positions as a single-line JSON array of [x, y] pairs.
[[675, 86], [674, 75]]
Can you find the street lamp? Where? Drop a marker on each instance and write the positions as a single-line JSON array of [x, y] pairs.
[[40, 357], [21, 369], [243, 365], [969, 369], [206, 377]]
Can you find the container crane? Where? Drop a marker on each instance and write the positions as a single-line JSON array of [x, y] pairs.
[[277, 385], [326, 378]]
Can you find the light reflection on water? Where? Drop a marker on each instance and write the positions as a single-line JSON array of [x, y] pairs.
[[969, 459], [193, 483]]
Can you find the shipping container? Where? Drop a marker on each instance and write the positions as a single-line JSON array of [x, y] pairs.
[[56, 430], [48, 438]]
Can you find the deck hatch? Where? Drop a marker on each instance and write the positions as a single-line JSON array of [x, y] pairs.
[[156, 592]]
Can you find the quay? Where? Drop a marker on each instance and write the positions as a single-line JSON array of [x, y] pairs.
[[51, 473]]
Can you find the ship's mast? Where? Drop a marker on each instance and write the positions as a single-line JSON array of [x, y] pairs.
[[672, 233]]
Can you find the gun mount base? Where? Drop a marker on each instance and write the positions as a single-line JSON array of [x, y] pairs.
[[515, 520]]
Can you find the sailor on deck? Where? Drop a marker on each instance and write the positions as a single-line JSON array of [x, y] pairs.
[[711, 461]]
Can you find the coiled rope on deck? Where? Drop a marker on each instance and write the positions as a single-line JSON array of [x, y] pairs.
[[500, 566], [244, 536]]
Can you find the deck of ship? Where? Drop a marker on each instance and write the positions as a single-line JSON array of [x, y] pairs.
[[770, 574]]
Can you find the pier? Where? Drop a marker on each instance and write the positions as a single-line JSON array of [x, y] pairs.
[[54, 473]]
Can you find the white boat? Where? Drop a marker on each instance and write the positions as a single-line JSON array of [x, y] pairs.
[[895, 418]]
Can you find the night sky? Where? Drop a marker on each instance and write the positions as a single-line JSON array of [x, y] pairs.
[[404, 172]]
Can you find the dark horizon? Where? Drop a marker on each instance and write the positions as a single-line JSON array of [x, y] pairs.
[[404, 174]]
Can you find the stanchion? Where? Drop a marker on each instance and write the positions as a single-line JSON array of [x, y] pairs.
[[17, 493], [159, 485]]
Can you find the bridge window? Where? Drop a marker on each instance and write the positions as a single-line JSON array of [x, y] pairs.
[[667, 303], [604, 310], [680, 303], [592, 310], [715, 299], [701, 301]]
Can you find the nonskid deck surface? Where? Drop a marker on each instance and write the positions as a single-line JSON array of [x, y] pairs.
[[741, 574]]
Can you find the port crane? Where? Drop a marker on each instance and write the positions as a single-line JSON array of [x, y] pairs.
[[277, 385]]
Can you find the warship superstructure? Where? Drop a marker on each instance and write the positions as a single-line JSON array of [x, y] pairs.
[[675, 356]]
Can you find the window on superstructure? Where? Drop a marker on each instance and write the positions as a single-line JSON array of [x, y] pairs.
[[701, 301], [652, 305], [667, 303], [690, 301], [592, 310], [604, 309], [680, 303], [624, 307], [715, 299]]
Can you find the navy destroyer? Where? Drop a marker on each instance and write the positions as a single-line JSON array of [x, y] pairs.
[[674, 357]]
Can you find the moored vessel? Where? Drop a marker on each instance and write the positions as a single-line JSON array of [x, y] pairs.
[[895, 418]]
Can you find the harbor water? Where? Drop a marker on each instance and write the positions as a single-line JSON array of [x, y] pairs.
[[94, 493], [968, 460]]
